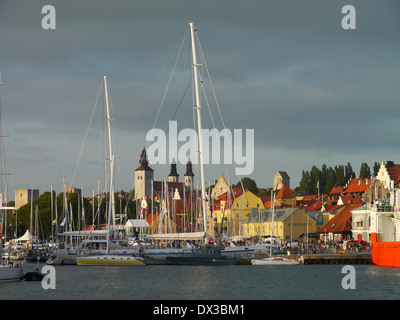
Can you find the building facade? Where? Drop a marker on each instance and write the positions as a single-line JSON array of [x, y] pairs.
[[24, 196], [281, 178]]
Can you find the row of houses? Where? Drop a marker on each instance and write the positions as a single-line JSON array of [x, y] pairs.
[[335, 216], [340, 215]]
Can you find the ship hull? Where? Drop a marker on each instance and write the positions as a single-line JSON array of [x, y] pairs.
[[201, 261], [108, 260], [385, 254]]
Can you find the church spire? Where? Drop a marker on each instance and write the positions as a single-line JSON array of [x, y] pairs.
[[173, 176], [189, 170], [144, 164], [189, 176]]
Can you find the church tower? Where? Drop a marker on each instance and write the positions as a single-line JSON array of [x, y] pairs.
[[144, 176], [173, 176], [189, 176]]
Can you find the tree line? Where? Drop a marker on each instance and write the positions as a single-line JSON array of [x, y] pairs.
[[324, 179]]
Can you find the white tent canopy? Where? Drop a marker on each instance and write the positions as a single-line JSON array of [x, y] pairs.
[[136, 223], [26, 237]]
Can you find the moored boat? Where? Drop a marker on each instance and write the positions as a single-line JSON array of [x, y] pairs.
[[385, 253], [109, 260], [207, 255], [274, 261], [11, 272]]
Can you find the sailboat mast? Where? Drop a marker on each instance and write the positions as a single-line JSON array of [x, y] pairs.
[[198, 108], [111, 211], [111, 156]]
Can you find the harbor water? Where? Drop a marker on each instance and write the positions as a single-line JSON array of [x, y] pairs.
[[243, 282]]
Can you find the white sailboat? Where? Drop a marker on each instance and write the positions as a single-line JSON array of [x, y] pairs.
[[163, 253], [239, 251], [9, 270], [273, 261], [109, 259]]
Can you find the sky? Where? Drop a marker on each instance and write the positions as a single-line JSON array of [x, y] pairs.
[[313, 92]]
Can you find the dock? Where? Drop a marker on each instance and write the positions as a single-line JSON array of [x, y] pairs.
[[312, 258], [338, 258]]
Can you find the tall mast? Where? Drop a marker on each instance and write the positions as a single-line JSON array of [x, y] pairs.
[[198, 108], [111, 209]]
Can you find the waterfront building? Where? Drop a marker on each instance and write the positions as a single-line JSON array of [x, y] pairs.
[[389, 174], [241, 207], [221, 207], [339, 228], [288, 224]]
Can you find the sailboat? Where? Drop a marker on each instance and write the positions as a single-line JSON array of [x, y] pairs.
[[109, 259], [203, 235], [273, 261], [35, 275], [9, 270]]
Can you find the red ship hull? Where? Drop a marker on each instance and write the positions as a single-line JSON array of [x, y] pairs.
[[385, 253]]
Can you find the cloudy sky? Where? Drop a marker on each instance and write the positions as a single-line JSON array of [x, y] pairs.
[[313, 92]]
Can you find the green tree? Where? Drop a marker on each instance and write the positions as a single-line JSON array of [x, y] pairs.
[[330, 179], [340, 175], [249, 184], [376, 168], [365, 171], [315, 175], [348, 172], [305, 181]]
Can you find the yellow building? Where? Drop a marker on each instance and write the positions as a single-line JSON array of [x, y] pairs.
[[241, 208], [288, 225]]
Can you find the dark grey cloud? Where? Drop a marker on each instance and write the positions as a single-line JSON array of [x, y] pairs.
[[283, 68]]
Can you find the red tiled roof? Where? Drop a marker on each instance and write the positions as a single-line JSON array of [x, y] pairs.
[[316, 206], [336, 190], [329, 204], [235, 192], [358, 186], [394, 172], [285, 193], [341, 222], [310, 197]]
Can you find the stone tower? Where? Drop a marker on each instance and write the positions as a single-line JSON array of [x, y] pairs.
[[144, 176]]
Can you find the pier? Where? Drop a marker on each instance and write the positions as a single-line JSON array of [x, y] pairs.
[[338, 258], [312, 258]]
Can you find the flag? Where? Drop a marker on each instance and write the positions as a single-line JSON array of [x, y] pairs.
[[53, 222], [63, 222]]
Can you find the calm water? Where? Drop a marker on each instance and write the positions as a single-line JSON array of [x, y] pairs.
[[311, 282]]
